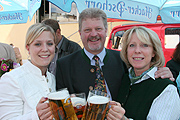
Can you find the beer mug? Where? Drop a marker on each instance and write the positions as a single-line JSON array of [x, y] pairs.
[[97, 105], [61, 105], [79, 102]]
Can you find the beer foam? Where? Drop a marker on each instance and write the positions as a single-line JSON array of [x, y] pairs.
[[78, 100], [98, 100], [58, 95]]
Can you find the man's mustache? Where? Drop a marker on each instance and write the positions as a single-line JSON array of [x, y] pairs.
[[94, 38]]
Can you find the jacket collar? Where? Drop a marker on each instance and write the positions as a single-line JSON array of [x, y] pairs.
[[63, 45], [88, 59], [33, 69]]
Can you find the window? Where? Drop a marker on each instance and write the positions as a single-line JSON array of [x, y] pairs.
[[48, 10], [117, 40], [172, 37]]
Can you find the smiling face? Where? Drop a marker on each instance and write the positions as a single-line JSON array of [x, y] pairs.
[[93, 35], [139, 54], [42, 50]]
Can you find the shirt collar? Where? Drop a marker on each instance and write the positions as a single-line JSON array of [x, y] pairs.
[[101, 55], [150, 74]]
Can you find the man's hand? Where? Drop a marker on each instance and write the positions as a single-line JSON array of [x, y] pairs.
[[164, 72]]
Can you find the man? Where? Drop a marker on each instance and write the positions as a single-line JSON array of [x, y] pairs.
[[18, 54], [64, 46], [7, 52], [77, 71]]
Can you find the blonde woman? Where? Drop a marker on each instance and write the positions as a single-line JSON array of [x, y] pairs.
[[141, 95], [23, 90]]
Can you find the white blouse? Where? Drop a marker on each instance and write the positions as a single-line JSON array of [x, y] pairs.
[[20, 91]]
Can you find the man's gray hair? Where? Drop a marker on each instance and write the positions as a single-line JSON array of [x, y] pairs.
[[92, 13]]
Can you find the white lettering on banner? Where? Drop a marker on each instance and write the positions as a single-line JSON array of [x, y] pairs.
[[173, 13], [121, 7], [33, 2], [65, 1], [15, 16]]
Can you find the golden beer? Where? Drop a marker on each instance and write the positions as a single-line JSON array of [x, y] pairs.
[[96, 108], [79, 106], [61, 106]]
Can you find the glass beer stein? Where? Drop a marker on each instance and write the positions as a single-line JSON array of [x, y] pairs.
[[79, 102], [61, 105], [97, 105]]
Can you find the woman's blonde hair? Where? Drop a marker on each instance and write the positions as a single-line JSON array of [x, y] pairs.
[[35, 31], [148, 37]]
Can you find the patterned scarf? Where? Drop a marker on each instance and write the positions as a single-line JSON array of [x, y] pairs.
[[135, 78]]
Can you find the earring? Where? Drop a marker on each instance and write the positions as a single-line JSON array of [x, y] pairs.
[[28, 57]]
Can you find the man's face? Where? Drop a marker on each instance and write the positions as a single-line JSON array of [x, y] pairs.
[[93, 35]]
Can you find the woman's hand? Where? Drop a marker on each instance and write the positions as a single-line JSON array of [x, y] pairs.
[[116, 112], [43, 110]]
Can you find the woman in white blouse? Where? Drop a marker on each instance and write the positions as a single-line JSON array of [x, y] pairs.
[[23, 91]]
